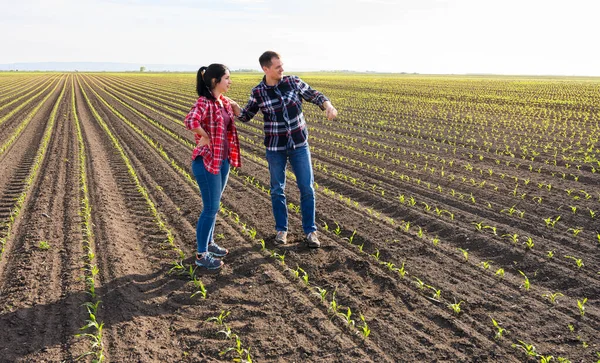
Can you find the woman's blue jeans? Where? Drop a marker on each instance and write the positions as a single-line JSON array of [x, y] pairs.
[[302, 167], [211, 189]]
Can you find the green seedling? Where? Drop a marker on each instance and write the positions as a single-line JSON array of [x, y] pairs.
[[219, 320], [402, 271], [455, 307], [337, 229], [44, 245], [578, 261], [465, 254], [364, 328], [553, 296], [499, 330], [529, 243], [347, 316], [526, 285], [227, 332], [200, 286], [581, 306], [500, 272], [550, 254], [485, 264], [322, 293], [528, 348], [376, 255], [420, 284], [437, 293], [575, 231], [513, 237]]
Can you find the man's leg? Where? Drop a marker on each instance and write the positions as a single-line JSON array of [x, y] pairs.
[[277, 164], [302, 167]]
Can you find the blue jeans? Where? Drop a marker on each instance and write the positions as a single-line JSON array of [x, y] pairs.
[[302, 167], [211, 189]]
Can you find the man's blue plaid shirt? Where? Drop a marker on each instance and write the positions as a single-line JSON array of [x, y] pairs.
[[281, 105]]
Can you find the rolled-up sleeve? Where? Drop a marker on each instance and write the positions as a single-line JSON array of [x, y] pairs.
[[198, 111], [250, 110]]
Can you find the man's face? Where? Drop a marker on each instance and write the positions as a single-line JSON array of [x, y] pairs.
[[275, 71]]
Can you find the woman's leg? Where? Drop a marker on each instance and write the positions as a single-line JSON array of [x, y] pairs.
[[210, 189], [224, 174]]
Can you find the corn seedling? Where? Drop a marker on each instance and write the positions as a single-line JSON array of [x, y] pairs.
[[437, 293], [337, 229], [485, 264], [455, 307], [550, 222], [526, 285], [322, 293], [178, 266], [435, 240], [545, 359], [219, 320], [578, 261], [243, 354], [553, 296], [325, 225], [550, 254], [348, 318], [402, 271], [529, 243], [499, 330], [333, 305], [575, 231], [376, 254], [44, 245], [493, 228], [581, 306], [465, 253], [420, 284], [500, 272], [478, 226], [513, 237], [528, 348], [227, 332], [364, 328]]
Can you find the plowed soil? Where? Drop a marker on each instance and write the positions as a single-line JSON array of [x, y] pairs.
[[384, 255]]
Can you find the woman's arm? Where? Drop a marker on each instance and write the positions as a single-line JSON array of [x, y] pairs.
[[205, 139]]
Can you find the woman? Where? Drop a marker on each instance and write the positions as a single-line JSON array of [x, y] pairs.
[[217, 147]]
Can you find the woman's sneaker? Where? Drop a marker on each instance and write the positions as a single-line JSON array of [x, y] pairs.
[[207, 261], [217, 250]]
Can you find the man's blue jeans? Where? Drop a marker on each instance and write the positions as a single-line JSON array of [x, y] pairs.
[[211, 189], [302, 167]]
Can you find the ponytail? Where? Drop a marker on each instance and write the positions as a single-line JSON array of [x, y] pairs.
[[205, 77]]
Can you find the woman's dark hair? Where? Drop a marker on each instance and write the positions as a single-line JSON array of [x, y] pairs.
[[205, 77]]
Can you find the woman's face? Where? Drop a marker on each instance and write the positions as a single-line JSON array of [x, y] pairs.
[[223, 86]]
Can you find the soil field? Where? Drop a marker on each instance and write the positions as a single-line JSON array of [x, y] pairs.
[[459, 217]]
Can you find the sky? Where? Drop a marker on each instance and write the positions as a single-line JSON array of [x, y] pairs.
[[531, 37]]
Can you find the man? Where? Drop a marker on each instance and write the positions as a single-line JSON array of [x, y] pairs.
[[279, 98]]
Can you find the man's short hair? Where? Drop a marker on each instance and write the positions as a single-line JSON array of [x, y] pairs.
[[265, 59]]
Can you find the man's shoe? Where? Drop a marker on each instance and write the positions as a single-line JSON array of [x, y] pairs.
[[312, 240], [217, 250], [207, 261], [281, 238]]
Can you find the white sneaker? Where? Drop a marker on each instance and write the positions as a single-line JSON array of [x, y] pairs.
[[281, 237], [312, 240]]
